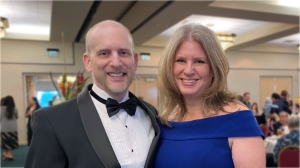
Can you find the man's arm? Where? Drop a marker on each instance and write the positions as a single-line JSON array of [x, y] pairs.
[[44, 150], [277, 148]]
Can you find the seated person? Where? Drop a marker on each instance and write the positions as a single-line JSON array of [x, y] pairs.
[[290, 139], [281, 124], [272, 121]]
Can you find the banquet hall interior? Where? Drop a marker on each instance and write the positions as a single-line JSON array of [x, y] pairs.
[[42, 39]]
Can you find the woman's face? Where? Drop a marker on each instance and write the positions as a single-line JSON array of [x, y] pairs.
[[191, 69], [31, 101], [254, 106]]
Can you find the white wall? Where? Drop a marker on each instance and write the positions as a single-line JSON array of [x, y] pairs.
[[22, 57], [31, 53], [246, 68]]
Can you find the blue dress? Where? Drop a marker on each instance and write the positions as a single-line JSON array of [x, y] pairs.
[[204, 142]]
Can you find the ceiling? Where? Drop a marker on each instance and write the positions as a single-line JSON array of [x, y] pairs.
[[153, 22]]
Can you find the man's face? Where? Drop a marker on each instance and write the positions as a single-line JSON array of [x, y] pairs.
[[111, 59], [283, 118], [247, 97]]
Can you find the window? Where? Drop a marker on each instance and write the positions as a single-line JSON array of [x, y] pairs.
[[44, 97]]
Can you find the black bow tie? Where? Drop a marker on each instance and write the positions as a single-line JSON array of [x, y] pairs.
[[113, 107]]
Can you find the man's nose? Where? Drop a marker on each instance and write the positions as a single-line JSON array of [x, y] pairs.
[[116, 60]]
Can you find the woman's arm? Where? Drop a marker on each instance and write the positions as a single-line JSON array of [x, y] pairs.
[[16, 113], [28, 112], [248, 152]]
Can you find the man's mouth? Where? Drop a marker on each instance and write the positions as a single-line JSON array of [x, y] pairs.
[[116, 74]]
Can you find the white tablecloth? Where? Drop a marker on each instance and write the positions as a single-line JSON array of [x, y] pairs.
[[271, 142]]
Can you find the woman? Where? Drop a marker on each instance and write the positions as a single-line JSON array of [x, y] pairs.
[[202, 123], [9, 136], [33, 105], [254, 108]]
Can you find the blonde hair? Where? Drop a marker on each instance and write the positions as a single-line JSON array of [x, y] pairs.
[[216, 96]]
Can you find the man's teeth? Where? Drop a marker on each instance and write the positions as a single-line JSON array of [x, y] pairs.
[[189, 81], [116, 74]]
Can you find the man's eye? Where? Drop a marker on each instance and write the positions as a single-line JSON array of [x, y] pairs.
[[124, 53], [104, 53]]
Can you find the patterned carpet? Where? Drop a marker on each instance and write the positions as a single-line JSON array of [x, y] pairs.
[[19, 155]]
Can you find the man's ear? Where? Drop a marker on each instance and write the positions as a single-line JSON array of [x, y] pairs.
[[87, 62], [136, 59]]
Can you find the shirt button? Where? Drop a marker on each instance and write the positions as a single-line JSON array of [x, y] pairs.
[[131, 150], [126, 126]]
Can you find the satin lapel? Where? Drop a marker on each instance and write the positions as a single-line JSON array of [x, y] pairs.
[[152, 151], [95, 131]]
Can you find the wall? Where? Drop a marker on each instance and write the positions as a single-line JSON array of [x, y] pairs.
[[246, 68], [22, 57]]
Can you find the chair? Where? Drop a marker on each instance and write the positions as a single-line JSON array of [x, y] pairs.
[[264, 129], [289, 156]]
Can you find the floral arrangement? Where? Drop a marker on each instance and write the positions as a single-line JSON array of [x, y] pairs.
[[69, 86]]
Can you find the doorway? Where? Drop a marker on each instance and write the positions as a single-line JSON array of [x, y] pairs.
[[269, 85]]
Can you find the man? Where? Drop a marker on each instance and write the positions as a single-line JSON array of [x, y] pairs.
[[283, 98], [290, 139], [246, 99], [282, 124], [276, 101], [94, 130]]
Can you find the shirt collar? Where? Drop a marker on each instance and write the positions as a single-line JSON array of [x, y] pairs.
[[105, 95]]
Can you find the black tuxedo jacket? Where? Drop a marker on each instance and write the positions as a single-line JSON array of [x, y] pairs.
[[71, 134]]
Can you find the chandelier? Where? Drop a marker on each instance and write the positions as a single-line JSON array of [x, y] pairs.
[[3, 26], [226, 40]]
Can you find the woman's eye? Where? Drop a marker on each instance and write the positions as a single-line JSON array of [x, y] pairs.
[[200, 62], [180, 60]]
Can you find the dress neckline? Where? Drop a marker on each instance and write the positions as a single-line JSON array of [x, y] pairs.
[[236, 124], [211, 118]]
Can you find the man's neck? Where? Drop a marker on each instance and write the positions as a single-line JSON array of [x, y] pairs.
[[117, 96]]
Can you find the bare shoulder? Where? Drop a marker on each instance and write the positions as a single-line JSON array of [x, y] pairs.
[[235, 107]]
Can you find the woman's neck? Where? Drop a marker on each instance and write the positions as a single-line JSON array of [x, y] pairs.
[[193, 107]]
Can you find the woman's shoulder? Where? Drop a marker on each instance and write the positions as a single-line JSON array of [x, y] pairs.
[[233, 107]]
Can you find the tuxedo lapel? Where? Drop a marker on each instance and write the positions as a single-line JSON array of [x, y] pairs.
[[153, 116], [95, 131]]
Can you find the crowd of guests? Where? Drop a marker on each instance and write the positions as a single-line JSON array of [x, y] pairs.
[[278, 119], [9, 127]]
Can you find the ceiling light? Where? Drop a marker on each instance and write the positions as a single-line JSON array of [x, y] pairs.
[[226, 40], [3, 26], [289, 3]]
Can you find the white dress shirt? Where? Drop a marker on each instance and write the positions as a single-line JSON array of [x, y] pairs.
[[129, 136]]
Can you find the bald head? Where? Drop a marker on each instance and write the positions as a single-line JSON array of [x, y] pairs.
[[103, 26]]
